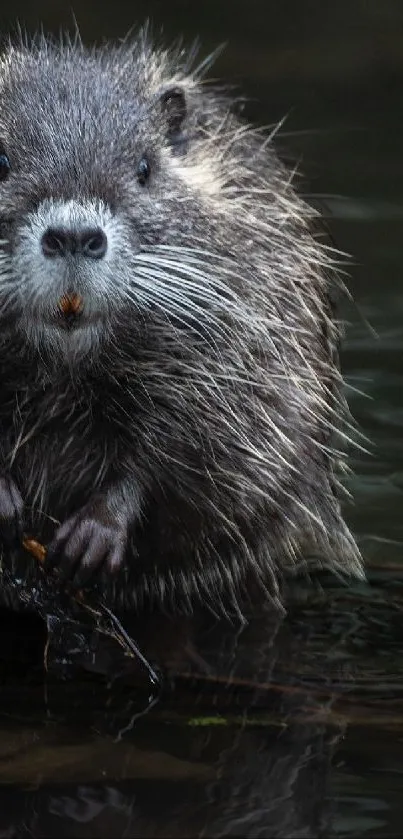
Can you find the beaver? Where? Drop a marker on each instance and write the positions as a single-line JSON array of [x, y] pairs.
[[172, 414]]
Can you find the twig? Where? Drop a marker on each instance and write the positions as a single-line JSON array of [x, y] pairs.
[[37, 550]]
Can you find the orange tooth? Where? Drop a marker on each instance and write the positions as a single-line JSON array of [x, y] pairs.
[[71, 304]]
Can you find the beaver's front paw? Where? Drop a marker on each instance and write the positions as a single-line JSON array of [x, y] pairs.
[[92, 540], [11, 512]]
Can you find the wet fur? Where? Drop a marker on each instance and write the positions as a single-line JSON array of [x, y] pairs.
[[214, 381]]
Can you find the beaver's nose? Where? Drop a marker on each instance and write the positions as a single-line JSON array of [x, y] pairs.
[[90, 242]]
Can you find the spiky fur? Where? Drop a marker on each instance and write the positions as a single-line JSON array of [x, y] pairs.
[[215, 378]]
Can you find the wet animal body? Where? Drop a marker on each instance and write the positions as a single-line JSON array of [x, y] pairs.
[[171, 409]]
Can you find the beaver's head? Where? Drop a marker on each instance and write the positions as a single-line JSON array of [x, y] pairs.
[[104, 203]]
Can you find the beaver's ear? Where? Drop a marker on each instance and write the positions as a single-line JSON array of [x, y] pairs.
[[174, 108]]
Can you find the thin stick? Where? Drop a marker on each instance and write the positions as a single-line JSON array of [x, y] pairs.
[[131, 644], [38, 550]]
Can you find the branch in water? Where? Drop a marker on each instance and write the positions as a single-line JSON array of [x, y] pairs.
[[100, 611]]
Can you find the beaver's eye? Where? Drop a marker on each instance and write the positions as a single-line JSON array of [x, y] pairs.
[[4, 166], [143, 171]]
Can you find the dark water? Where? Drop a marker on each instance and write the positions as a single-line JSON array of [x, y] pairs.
[[307, 737]]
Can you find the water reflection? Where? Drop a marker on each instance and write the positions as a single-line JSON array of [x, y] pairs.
[[259, 787], [242, 747]]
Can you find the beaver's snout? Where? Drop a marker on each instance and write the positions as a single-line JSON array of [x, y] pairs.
[[71, 258], [62, 241]]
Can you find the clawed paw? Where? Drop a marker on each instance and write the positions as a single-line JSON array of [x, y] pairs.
[[86, 544]]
